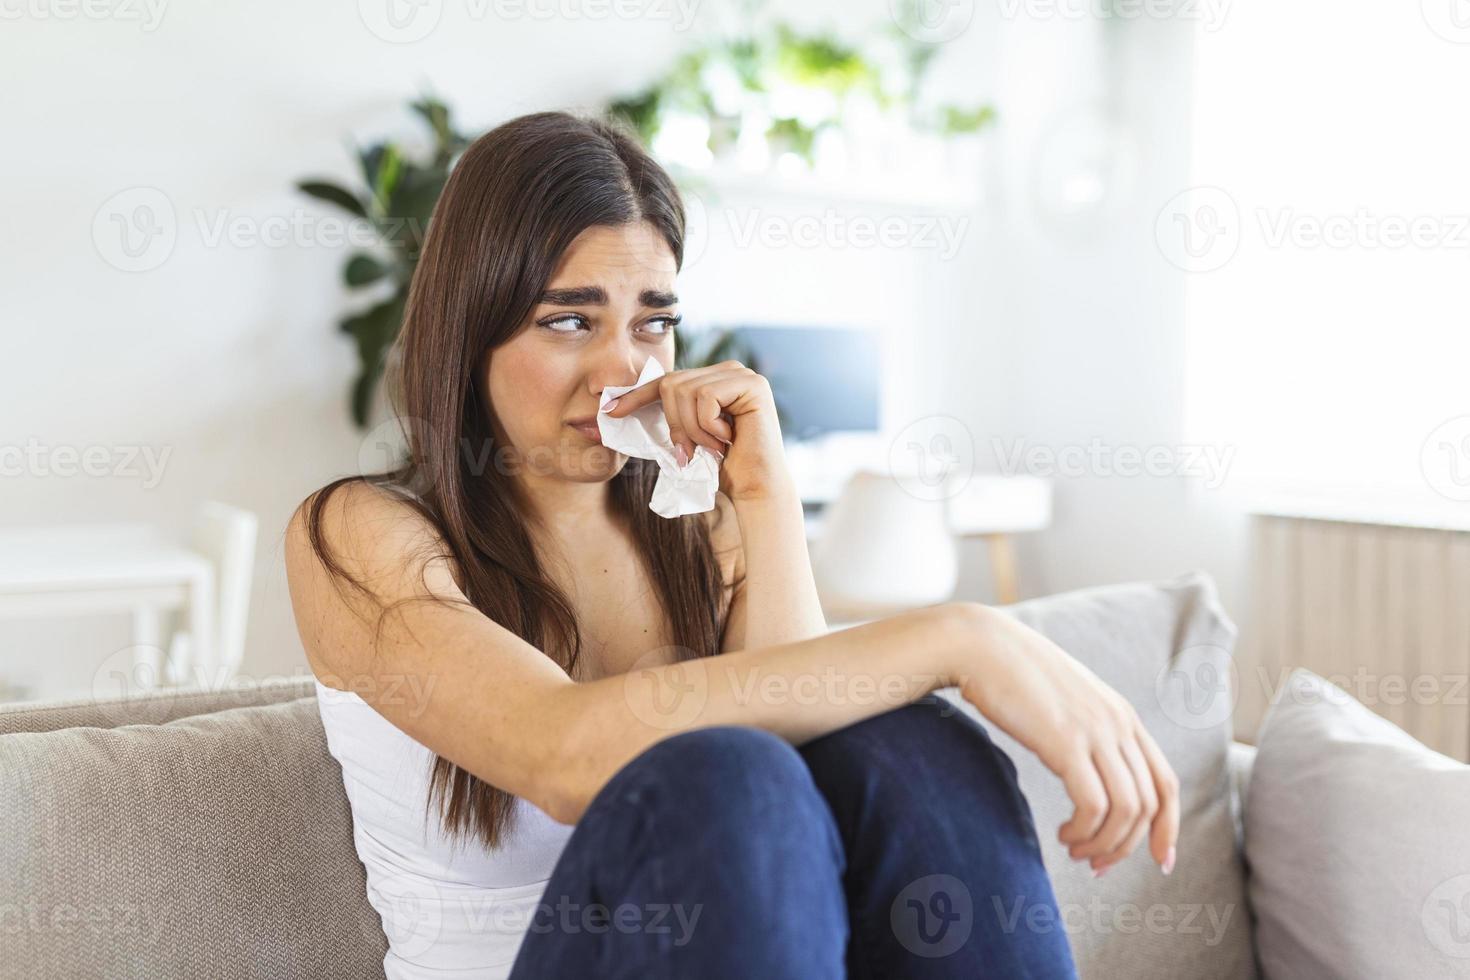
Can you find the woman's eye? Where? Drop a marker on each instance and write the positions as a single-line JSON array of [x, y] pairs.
[[665, 324], [574, 322], [557, 324]]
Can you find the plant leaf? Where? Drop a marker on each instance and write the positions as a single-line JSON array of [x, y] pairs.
[[332, 194], [374, 329], [412, 203], [436, 114], [363, 388], [954, 120], [640, 112], [363, 269], [370, 158], [390, 166]]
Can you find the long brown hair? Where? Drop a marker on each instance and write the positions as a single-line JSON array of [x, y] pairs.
[[514, 202]]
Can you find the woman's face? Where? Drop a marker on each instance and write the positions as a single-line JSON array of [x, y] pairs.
[[609, 307]]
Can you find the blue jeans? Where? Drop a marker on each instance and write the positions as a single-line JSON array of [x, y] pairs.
[[897, 847]]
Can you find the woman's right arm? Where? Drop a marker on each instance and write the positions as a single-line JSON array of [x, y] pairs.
[[481, 696], [477, 694]]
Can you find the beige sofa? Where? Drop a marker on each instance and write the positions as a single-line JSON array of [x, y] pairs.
[[207, 835]]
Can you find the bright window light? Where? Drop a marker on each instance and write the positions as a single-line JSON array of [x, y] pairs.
[[1327, 243]]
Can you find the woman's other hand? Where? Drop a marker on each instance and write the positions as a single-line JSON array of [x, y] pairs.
[[1084, 731]]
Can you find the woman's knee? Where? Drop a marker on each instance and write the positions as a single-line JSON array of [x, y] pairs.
[[732, 775], [725, 825], [933, 728], [928, 753]]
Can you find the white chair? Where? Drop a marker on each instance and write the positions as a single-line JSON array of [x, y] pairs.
[[888, 542], [209, 653], [882, 550]]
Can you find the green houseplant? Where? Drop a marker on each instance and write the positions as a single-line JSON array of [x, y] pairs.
[[730, 82], [396, 199]]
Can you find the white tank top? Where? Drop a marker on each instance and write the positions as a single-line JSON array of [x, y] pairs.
[[451, 908]]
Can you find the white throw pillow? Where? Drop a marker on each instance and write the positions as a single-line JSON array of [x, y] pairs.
[[1358, 843], [1167, 648]]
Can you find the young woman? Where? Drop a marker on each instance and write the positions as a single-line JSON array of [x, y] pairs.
[[583, 740]]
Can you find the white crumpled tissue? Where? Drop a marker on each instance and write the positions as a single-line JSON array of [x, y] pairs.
[[645, 434]]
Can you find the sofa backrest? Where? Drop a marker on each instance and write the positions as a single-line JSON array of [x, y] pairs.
[[198, 843], [151, 708]]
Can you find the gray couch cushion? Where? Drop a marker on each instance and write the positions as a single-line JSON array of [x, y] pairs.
[[150, 708], [214, 846], [1356, 839], [1167, 648], [1240, 761]]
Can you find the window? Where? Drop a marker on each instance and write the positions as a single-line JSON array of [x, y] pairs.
[[1327, 243]]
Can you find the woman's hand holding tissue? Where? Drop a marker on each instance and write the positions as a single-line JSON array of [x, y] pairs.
[[728, 409]]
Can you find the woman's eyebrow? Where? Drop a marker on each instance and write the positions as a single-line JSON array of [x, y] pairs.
[[575, 296], [597, 296]]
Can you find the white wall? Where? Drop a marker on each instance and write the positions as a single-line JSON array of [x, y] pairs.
[[227, 357], [1060, 324]]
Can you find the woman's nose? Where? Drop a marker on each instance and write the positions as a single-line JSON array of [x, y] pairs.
[[619, 364]]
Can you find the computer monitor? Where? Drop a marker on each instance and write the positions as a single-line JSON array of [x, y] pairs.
[[824, 379]]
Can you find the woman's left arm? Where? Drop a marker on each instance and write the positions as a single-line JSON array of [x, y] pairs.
[[728, 409]]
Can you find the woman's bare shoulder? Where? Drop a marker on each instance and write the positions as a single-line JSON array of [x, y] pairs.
[[383, 550], [362, 523]]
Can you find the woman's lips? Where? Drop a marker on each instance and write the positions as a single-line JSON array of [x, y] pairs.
[[588, 429]]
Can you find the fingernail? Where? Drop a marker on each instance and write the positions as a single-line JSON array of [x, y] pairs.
[[720, 457], [1168, 865], [681, 456], [1098, 873], [611, 404]]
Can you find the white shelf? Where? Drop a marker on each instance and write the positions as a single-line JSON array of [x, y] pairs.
[[921, 191], [987, 504], [996, 504]]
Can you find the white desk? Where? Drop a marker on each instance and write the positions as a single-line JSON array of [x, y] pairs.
[[994, 507], [991, 507], [112, 568]]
